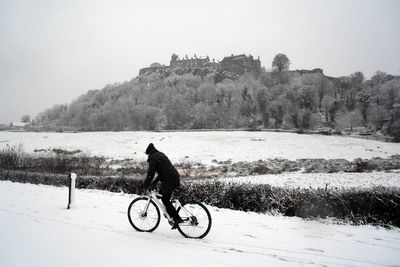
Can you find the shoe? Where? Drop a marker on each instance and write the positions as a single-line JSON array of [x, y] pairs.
[[176, 223]]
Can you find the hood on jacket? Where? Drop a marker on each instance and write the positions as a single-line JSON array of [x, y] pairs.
[[150, 149]]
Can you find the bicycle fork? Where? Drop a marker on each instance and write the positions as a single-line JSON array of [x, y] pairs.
[[144, 212]]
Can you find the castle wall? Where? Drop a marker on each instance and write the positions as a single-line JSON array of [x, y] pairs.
[[188, 62], [238, 64], [241, 64]]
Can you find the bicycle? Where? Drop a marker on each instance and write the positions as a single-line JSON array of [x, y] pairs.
[[144, 215]]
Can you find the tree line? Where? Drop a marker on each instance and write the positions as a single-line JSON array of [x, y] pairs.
[[278, 98]]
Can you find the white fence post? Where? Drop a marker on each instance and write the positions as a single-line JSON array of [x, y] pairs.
[[71, 198]]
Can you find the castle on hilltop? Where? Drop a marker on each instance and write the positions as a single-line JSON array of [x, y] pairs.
[[187, 62], [232, 66], [241, 64]]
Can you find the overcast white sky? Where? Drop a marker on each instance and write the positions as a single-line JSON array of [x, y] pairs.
[[53, 51]]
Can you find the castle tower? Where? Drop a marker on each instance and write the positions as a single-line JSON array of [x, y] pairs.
[[174, 59]]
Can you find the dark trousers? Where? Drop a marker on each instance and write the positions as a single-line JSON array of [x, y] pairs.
[[166, 200]]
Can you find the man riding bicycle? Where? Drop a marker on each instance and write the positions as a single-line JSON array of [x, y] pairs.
[[167, 175]]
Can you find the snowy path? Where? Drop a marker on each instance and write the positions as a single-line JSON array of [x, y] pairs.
[[37, 230]]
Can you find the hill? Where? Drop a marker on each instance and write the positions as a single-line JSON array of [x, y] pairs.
[[300, 100]]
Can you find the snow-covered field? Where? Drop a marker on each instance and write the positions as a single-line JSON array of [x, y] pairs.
[[322, 180], [36, 229], [205, 146]]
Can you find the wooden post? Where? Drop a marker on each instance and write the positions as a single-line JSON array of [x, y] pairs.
[[71, 198]]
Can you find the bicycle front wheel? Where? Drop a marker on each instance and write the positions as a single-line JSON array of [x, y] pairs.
[[143, 214], [196, 220]]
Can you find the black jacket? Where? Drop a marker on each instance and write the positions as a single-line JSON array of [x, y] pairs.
[[167, 174]]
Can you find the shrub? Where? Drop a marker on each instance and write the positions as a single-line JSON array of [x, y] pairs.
[[260, 169], [10, 156], [187, 168], [379, 205], [63, 161]]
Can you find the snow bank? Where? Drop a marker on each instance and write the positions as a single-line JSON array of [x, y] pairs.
[[36, 229]]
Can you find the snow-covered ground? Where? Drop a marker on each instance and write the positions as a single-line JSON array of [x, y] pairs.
[[205, 146], [36, 229], [322, 180]]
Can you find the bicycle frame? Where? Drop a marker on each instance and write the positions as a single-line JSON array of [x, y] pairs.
[[155, 196]]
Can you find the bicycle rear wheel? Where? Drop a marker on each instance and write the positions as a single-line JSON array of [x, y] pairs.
[[141, 219], [196, 220]]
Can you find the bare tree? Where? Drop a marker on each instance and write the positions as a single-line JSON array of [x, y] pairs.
[[281, 62], [26, 119]]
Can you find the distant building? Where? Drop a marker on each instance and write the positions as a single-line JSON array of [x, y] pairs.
[[230, 66], [17, 126], [153, 67], [313, 71], [241, 64], [193, 62]]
